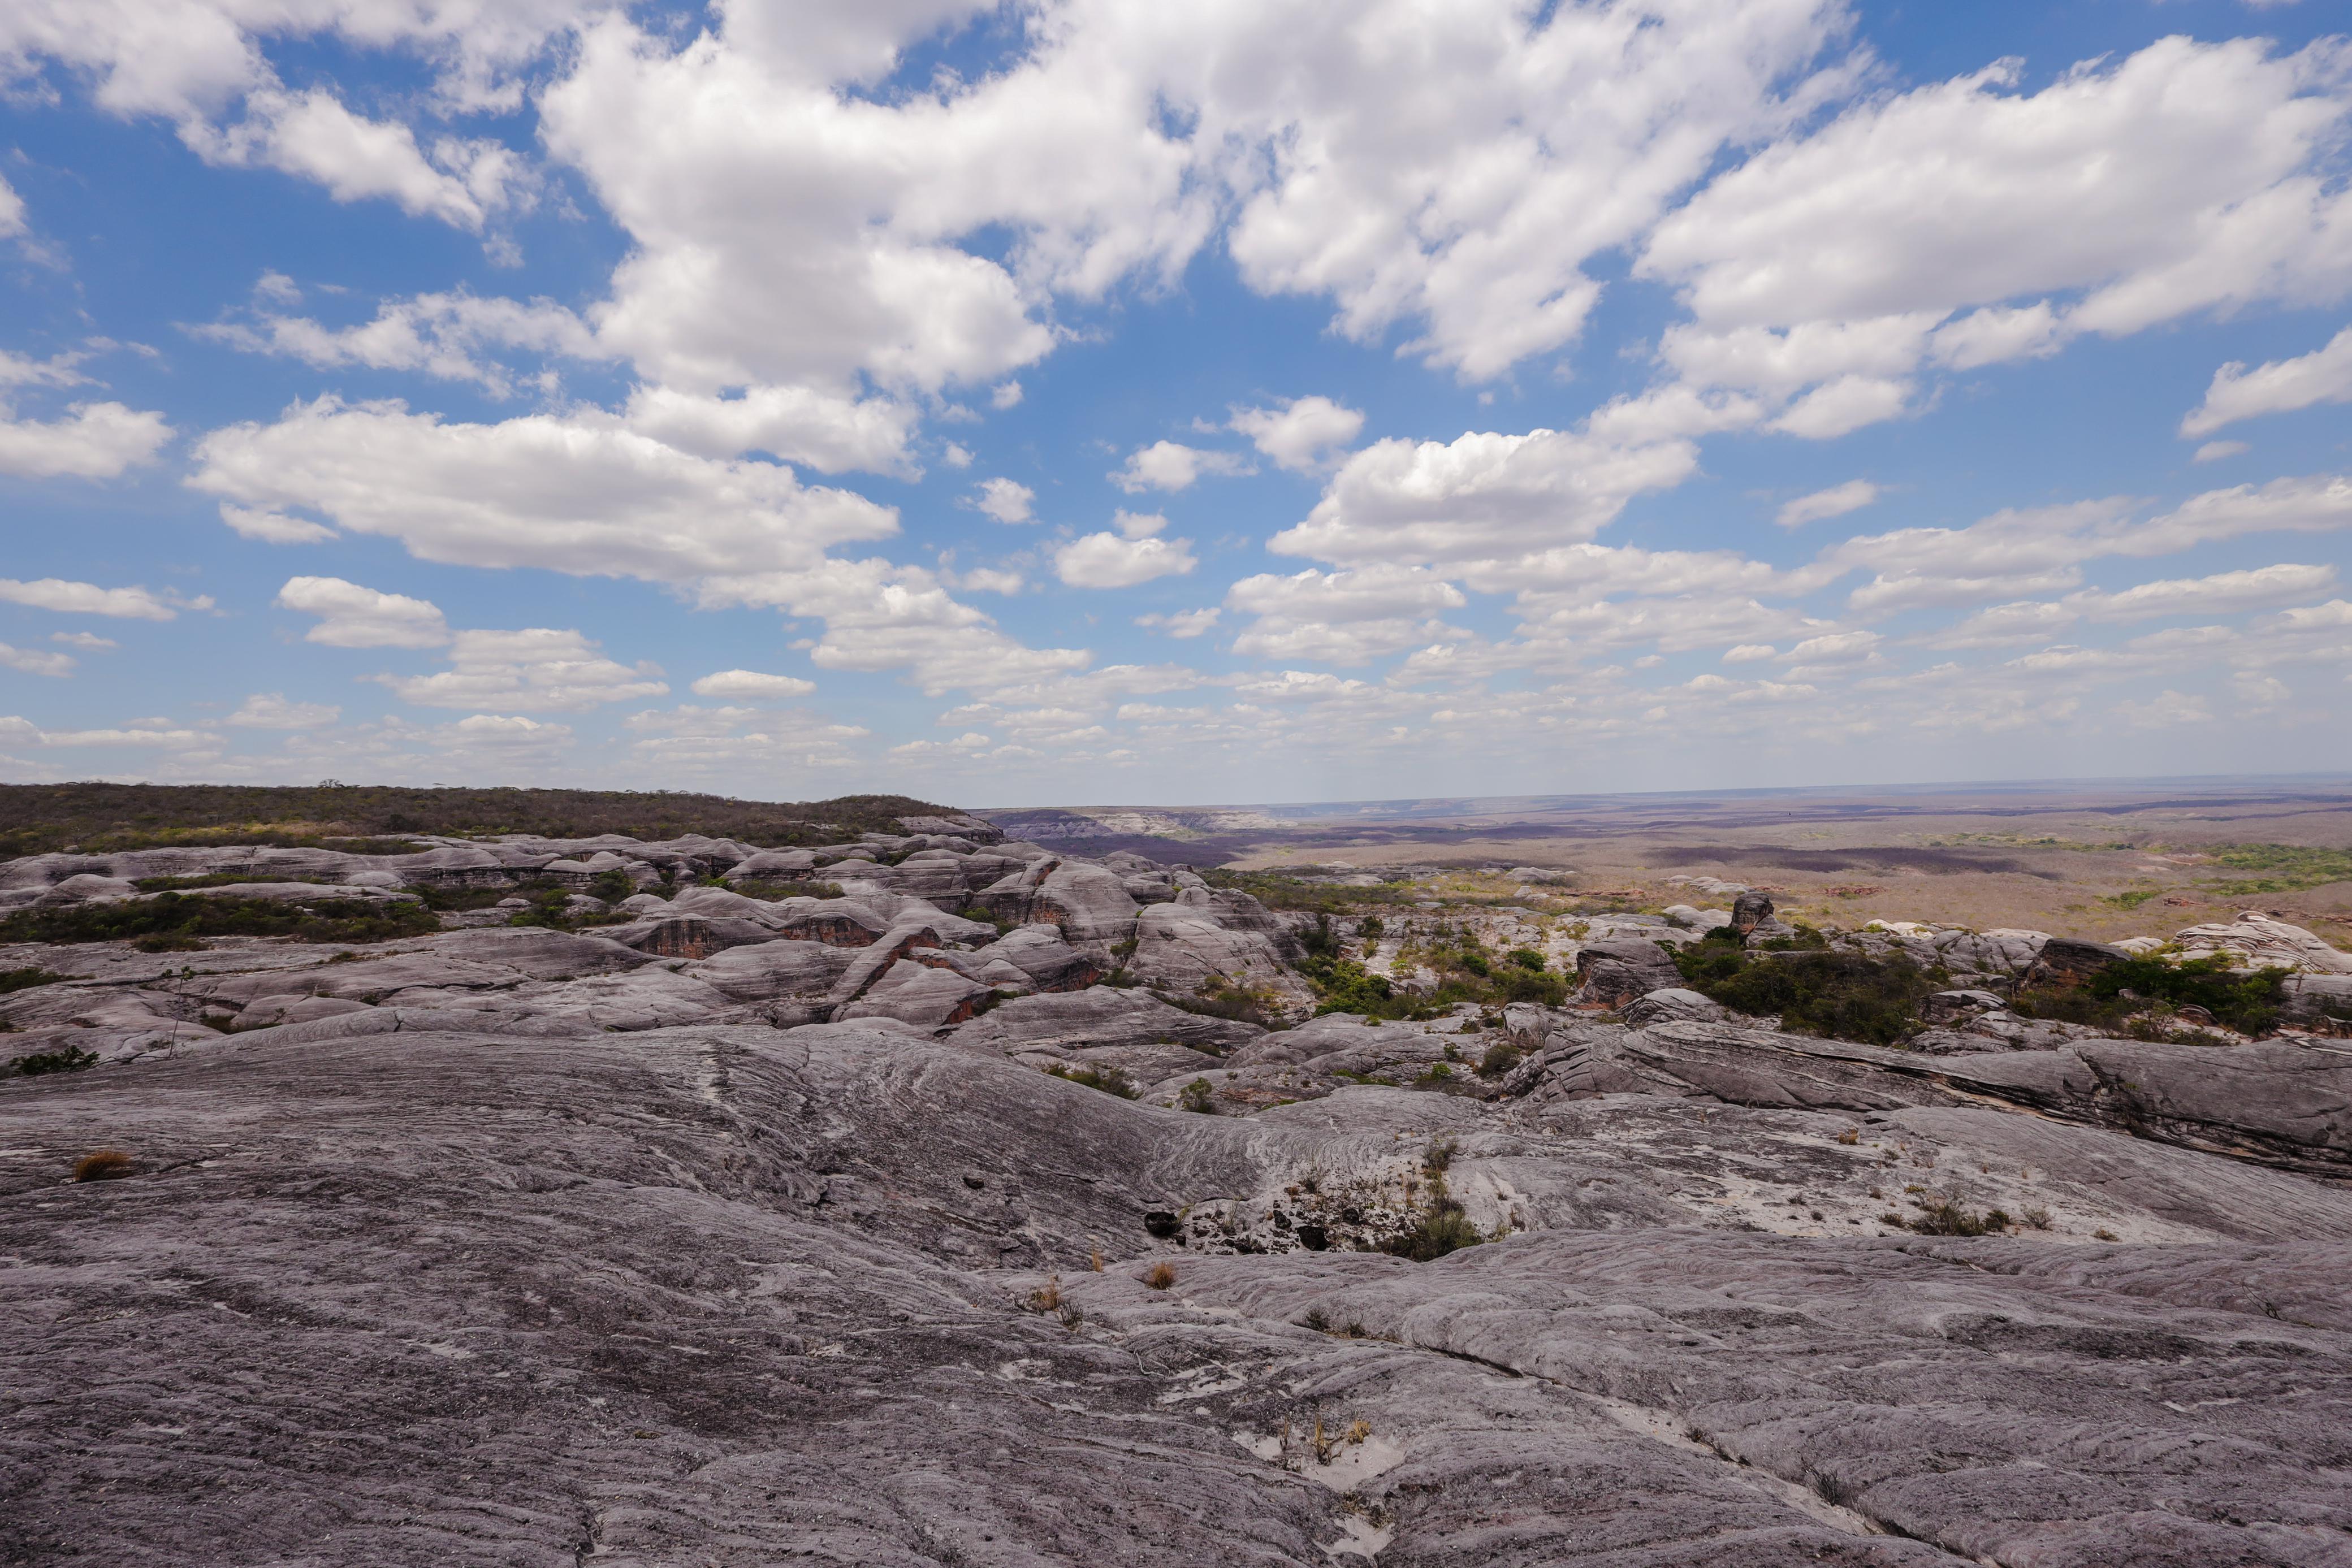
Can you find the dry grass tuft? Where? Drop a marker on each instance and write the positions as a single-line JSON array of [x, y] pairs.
[[101, 1165], [1160, 1276]]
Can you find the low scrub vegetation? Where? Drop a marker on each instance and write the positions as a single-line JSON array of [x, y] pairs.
[[36, 819], [1229, 1002], [216, 879], [1841, 996], [25, 979], [172, 921], [1441, 1225], [41, 1063], [782, 888], [1947, 1218], [2281, 868], [1109, 1080], [2248, 1003], [1276, 891], [1466, 973]]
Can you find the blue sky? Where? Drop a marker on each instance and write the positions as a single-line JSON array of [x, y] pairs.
[[1127, 402]]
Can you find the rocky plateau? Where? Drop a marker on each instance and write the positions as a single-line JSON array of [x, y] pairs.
[[931, 1198]]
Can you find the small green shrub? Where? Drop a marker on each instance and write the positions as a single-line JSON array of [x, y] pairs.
[[65, 1059], [25, 979], [1229, 1002], [1345, 986], [1948, 1219], [1441, 1228], [776, 889], [1500, 1058], [1526, 959], [1198, 1096], [1109, 1080], [1516, 985], [179, 941]]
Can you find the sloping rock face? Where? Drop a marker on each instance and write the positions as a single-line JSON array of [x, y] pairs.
[[2260, 941], [512, 1245], [1615, 972]]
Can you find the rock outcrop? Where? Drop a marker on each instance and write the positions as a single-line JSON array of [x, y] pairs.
[[1616, 973], [855, 1228]]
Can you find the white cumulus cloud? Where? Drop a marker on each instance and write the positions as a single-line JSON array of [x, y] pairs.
[[94, 440], [1006, 500], [536, 670], [1834, 502], [2323, 375], [89, 599], [1112, 560], [1303, 433], [272, 710], [751, 685], [350, 616], [1170, 466]]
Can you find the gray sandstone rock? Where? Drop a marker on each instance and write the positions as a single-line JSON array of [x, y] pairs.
[[1078, 1020], [1614, 973], [1187, 947], [766, 971], [915, 994], [1750, 911], [2067, 962], [1671, 1003], [516, 1246], [2256, 940], [1048, 963], [1954, 1007]]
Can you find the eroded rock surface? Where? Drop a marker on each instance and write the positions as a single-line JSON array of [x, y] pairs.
[[753, 1229]]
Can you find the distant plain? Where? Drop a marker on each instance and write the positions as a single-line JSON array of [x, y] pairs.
[[2107, 859]]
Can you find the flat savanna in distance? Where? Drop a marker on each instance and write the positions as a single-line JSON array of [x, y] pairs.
[[2096, 859]]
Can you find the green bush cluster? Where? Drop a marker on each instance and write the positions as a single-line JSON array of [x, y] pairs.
[[1466, 973], [2248, 1003], [1109, 1080], [1441, 1225], [172, 920], [2282, 868], [1841, 996], [1225, 1002], [67, 1058], [1276, 891], [25, 979], [1948, 1218]]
